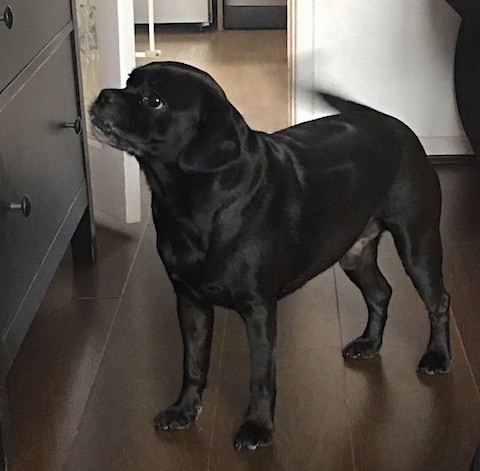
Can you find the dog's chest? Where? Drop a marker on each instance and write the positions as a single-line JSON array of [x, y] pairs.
[[182, 249], [220, 276]]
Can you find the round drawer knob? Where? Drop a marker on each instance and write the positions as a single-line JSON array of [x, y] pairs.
[[7, 17], [25, 206], [76, 125]]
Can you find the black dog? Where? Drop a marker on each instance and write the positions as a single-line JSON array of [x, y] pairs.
[[244, 218]]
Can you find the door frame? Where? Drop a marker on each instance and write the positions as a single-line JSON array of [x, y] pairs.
[[115, 176], [301, 64]]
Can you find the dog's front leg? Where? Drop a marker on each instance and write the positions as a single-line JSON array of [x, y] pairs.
[[196, 323], [257, 428]]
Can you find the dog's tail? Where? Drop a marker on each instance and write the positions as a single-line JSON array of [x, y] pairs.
[[343, 105]]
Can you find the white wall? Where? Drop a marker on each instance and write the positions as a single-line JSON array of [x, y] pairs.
[[394, 55]]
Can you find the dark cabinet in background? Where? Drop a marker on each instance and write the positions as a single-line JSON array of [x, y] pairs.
[[255, 14], [44, 185]]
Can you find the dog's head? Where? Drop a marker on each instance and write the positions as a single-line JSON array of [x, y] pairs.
[[172, 112]]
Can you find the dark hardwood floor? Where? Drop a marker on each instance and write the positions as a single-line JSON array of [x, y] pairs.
[[104, 355]]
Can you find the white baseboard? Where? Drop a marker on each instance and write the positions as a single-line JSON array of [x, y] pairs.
[[451, 145]]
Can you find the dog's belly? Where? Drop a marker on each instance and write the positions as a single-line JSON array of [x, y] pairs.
[[328, 231], [229, 287], [324, 259]]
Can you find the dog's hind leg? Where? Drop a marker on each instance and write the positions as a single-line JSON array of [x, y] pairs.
[[360, 265], [413, 218], [419, 246]]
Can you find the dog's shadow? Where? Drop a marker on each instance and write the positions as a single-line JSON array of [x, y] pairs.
[[376, 401], [372, 375]]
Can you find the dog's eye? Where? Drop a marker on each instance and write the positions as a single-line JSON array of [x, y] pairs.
[[153, 101]]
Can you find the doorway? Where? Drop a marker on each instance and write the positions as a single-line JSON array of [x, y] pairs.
[[251, 65]]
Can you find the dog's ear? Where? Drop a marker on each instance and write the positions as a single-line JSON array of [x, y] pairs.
[[216, 145]]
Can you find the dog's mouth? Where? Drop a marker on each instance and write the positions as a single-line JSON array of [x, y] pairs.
[[102, 128], [105, 131]]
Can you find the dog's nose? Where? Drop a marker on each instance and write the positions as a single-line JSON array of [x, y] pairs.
[[106, 96]]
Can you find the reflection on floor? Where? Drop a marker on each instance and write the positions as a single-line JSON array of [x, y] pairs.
[[103, 355]]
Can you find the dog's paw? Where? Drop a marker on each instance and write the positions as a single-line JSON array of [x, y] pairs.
[[361, 348], [252, 435], [177, 417], [433, 363]]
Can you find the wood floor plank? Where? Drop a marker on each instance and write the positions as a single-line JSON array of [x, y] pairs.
[[141, 374], [307, 318], [311, 420], [103, 279], [51, 378], [461, 230], [107, 276], [463, 261], [400, 420]]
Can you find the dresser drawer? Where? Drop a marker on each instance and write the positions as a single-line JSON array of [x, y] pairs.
[[35, 22], [40, 158]]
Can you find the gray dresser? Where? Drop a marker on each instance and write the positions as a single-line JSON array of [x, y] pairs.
[[44, 184]]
